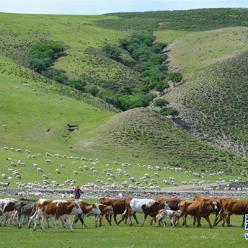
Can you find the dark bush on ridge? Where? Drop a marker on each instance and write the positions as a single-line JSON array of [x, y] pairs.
[[43, 54], [56, 75], [168, 112], [160, 102], [175, 77], [112, 51]]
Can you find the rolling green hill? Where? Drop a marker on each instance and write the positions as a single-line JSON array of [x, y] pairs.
[[35, 111]]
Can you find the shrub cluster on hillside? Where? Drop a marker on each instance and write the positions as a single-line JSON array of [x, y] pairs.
[[43, 54], [145, 56], [139, 52]]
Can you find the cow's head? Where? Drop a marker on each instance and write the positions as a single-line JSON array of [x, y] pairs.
[[215, 206], [76, 208]]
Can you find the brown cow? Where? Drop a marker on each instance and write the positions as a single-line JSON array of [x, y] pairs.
[[232, 206], [60, 209], [172, 202], [217, 210], [119, 207], [106, 211], [198, 208]]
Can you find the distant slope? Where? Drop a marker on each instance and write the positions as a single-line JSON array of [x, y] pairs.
[[36, 114], [81, 37], [187, 20], [141, 135], [213, 101]]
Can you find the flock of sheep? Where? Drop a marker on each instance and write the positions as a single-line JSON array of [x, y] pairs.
[[107, 177]]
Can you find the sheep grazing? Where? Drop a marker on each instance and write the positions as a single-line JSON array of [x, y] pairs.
[[39, 169], [4, 176], [58, 170]]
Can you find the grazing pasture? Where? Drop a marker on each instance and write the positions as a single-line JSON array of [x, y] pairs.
[[125, 236]]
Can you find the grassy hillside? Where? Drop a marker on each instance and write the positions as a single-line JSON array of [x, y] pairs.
[[213, 100], [78, 33], [35, 111], [36, 114], [190, 20]]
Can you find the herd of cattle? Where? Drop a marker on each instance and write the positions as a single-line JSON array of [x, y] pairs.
[[33, 213]]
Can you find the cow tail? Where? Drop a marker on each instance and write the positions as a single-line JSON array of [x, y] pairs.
[[125, 212]]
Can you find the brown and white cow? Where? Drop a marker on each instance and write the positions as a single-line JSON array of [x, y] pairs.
[[59, 209], [149, 207], [89, 208], [171, 214], [119, 207], [7, 209], [106, 211]]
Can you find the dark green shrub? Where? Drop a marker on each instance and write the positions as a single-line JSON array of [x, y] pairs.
[[78, 84], [56, 75], [43, 54], [162, 86], [126, 90], [175, 76], [168, 111], [160, 102], [93, 90], [112, 51]]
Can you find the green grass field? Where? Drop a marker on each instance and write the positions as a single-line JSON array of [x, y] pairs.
[[125, 236], [209, 47]]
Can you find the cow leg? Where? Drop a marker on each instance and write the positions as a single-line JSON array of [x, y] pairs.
[[5, 218], [81, 218], [134, 216], [243, 222], [75, 220], [209, 222], [124, 216], [97, 222], [198, 221], [108, 218], [31, 218], [172, 220], [117, 223], [184, 220], [158, 221], [42, 222], [145, 216], [48, 224], [69, 222], [228, 220], [194, 222]]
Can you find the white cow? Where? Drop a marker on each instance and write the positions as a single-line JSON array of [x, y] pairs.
[[142, 206]]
